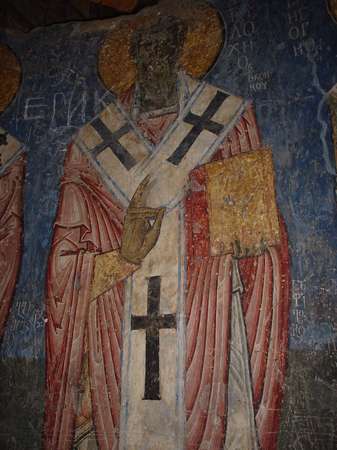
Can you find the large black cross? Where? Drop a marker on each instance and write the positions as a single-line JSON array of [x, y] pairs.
[[111, 139], [152, 323], [199, 123]]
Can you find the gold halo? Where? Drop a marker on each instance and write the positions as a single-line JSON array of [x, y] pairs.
[[10, 76], [332, 9], [201, 47]]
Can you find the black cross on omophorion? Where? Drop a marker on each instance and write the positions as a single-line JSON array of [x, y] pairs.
[[152, 323], [111, 139], [200, 123], [3, 138]]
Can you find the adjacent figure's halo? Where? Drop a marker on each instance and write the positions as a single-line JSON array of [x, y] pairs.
[[10, 76], [332, 9], [201, 47]]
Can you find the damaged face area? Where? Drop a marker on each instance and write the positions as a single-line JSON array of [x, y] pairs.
[[156, 52]]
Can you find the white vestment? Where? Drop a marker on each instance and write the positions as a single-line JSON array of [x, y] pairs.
[[160, 424]]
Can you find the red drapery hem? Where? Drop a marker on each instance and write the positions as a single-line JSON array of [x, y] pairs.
[[88, 221], [11, 191], [265, 304]]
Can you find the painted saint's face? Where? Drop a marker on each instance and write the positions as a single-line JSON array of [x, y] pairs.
[[157, 55], [156, 60]]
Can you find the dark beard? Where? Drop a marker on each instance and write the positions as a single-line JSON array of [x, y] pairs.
[[158, 91]]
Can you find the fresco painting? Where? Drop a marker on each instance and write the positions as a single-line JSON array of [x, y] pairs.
[[193, 261], [11, 185], [164, 276]]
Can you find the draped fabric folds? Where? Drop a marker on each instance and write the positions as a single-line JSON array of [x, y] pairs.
[[265, 303], [208, 332], [11, 210], [88, 222], [208, 301]]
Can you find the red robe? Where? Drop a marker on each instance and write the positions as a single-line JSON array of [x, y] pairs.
[[89, 221], [11, 187], [266, 284]]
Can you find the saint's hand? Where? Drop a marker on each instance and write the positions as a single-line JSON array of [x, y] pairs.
[[139, 236]]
